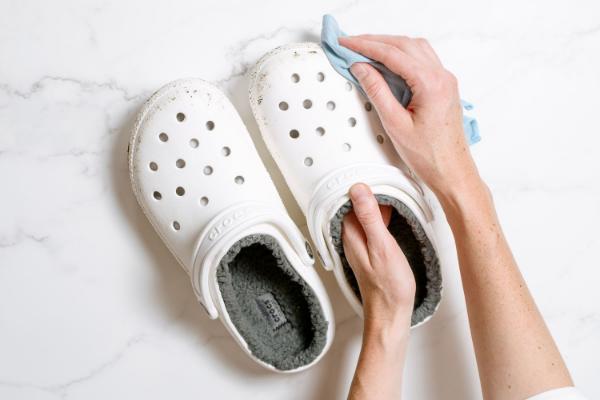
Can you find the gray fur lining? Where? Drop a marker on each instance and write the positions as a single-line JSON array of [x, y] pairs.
[[416, 246], [255, 271]]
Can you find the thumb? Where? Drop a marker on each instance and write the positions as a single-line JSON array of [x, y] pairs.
[[380, 94], [368, 214]]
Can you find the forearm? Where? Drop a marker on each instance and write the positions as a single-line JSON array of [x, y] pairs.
[[515, 352], [379, 370]]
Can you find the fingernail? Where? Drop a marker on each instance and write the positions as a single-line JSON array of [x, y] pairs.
[[360, 193], [358, 70]]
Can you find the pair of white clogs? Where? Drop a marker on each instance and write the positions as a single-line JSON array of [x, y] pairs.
[[202, 185]]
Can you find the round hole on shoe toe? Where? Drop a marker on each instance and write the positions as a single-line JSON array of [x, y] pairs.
[[208, 170], [308, 161], [157, 195], [294, 134], [347, 147], [180, 163], [330, 105], [320, 131], [204, 201], [226, 151], [307, 103], [180, 117], [348, 86], [380, 139], [283, 106], [368, 106], [295, 78], [194, 143], [153, 166], [163, 137], [210, 125], [176, 225], [320, 77], [352, 121], [180, 191], [239, 180]]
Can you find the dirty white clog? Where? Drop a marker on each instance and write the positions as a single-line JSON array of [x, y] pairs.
[[200, 182], [325, 136]]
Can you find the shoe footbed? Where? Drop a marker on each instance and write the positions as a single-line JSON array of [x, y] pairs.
[[271, 306]]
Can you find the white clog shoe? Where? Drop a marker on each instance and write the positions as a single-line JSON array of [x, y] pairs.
[[325, 136], [200, 182]]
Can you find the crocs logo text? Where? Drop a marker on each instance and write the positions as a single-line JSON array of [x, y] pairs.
[[271, 310], [226, 222], [339, 179]]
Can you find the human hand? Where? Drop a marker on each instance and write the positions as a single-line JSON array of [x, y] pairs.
[[385, 280], [429, 134]]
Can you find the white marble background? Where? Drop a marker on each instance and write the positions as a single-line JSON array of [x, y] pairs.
[[92, 305]]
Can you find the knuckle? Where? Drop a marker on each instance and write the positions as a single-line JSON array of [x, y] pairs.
[[372, 88], [438, 82], [378, 252], [450, 78], [367, 217], [422, 41]]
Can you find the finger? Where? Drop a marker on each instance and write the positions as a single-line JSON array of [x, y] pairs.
[[416, 47], [408, 45], [355, 243], [424, 43], [390, 111], [366, 209], [395, 59]]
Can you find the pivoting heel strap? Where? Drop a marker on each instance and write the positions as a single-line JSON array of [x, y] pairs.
[[225, 229]]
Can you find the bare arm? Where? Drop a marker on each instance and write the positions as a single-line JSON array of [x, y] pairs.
[[516, 355], [388, 290]]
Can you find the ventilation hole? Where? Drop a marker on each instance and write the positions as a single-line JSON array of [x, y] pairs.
[[368, 106], [320, 131], [348, 86], [163, 137], [180, 117], [307, 103], [153, 166], [194, 143], [352, 121], [157, 195], [294, 134], [208, 170], [226, 151], [380, 139], [295, 78], [320, 77], [347, 147], [239, 180], [308, 161], [283, 106], [204, 201], [330, 105], [176, 225], [180, 191], [180, 163], [210, 125]]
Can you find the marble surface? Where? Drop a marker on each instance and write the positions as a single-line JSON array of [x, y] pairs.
[[93, 306]]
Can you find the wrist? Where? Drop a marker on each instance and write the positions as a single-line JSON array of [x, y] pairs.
[[462, 193], [471, 199], [387, 333]]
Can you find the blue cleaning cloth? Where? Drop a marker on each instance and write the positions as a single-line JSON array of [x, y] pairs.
[[342, 58]]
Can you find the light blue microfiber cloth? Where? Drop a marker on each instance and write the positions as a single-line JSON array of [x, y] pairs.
[[342, 58]]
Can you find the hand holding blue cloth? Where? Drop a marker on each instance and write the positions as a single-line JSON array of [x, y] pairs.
[[342, 58]]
